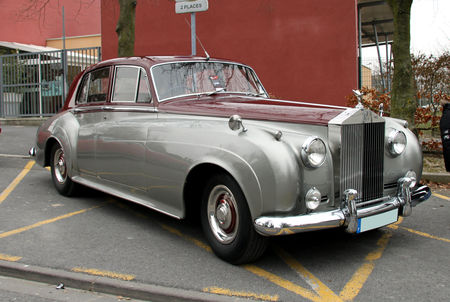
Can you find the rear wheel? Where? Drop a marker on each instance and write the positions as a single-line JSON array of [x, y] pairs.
[[61, 180], [227, 222]]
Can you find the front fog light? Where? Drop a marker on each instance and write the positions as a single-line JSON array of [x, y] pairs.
[[411, 174], [396, 142], [313, 152], [312, 198]]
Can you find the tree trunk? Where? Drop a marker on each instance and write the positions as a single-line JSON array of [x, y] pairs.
[[403, 104], [125, 28]]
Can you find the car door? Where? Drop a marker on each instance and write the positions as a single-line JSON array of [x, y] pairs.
[[91, 98], [121, 137]]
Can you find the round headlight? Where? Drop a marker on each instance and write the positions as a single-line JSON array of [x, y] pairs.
[[313, 152], [396, 142], [312, 198]]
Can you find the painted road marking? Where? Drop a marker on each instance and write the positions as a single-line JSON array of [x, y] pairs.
[[318, 286], [281, 282], [321, 291], [96, 272], [232, 293], [359, 278], [441, 196], [9, 258], [44, 222], [16, 181], [197, 242], [423, 234], [397, 226]]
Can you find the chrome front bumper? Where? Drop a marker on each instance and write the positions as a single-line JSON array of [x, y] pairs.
[[348, 215]]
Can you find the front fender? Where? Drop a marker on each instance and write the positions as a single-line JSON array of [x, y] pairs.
[[63, 129]]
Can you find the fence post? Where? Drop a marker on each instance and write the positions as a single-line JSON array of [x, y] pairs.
[[40, 84], [2, 110]]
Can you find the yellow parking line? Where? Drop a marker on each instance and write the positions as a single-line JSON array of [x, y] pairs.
[[96, 272], [9, 258], [396, 226], [41, 223], [425, 234], [232, 293], [189, 238], [318, 286], [352, 288], [286, 284], [441, 196], [16, 181]]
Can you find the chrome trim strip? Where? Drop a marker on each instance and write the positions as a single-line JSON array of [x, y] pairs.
[[307, 103], [347, 216], [142, 109]]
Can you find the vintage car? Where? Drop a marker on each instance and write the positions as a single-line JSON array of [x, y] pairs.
[[200, 136]]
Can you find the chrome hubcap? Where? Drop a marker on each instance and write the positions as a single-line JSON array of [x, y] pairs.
[[60, 166], [223, 214]]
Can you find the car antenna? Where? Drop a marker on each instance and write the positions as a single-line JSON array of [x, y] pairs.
[[199, 41]]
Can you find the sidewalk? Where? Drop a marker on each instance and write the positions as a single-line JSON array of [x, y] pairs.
[[105, 285]]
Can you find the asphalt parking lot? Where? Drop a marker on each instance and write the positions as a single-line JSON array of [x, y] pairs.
[[95, 238]]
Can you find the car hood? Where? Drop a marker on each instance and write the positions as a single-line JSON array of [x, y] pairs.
[[256, 108]]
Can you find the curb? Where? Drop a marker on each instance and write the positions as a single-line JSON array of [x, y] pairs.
[[105, 285], [443, 178], [28, 121]]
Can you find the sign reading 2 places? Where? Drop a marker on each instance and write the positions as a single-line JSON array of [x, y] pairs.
[[190, 6]]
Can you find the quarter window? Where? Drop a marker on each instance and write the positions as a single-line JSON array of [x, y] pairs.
[[131, 85]]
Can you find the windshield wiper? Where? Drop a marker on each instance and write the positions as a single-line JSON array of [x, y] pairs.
[[214, 92], [255, 94]]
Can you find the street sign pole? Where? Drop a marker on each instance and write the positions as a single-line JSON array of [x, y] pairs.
[[192, 7], [193, 36]]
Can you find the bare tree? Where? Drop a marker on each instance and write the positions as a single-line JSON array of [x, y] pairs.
[[125, 27], [403, 104]]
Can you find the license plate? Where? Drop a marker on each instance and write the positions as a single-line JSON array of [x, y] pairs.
[[377, 221]]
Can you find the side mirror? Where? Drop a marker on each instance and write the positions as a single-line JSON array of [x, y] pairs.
[[235, 123]]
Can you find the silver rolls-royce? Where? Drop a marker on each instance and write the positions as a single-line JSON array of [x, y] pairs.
[[200, 136]]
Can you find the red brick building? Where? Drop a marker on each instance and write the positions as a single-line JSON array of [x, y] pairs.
[[32, 22], [301, 49]]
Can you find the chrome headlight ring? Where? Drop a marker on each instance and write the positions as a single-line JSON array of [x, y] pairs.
[[313, 152], [396, 142]]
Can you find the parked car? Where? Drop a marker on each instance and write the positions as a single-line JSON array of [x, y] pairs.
[[191, 135]]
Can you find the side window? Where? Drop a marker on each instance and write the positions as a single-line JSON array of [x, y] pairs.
[[83, 90], [144, 95], [131, 85], [98, 85], [125, 84]]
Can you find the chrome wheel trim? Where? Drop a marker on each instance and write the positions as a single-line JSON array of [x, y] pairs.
[[223, 215], [59, 166]]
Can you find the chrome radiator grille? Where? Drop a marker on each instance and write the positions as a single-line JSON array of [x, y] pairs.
[[361, 160]]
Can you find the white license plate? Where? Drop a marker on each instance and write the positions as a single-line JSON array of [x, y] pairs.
[[377, 221]]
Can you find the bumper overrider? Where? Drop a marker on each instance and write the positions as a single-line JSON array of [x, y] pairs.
[[355, 217]]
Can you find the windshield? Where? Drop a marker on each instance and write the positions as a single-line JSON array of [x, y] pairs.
[[186, 78]]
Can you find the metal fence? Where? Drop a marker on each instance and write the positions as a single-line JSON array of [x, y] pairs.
[[35, 84]]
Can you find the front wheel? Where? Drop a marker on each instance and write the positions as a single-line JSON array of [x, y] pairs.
[[227, 222], [61, 180]]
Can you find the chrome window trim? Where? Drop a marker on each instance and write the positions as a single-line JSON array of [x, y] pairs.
[[89, 75], [86, 77], [136, 86], [202, 61]]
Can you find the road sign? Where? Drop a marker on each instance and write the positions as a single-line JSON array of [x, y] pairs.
[[190, 6]]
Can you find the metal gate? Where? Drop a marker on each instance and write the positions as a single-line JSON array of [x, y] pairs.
[[35, 84]]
